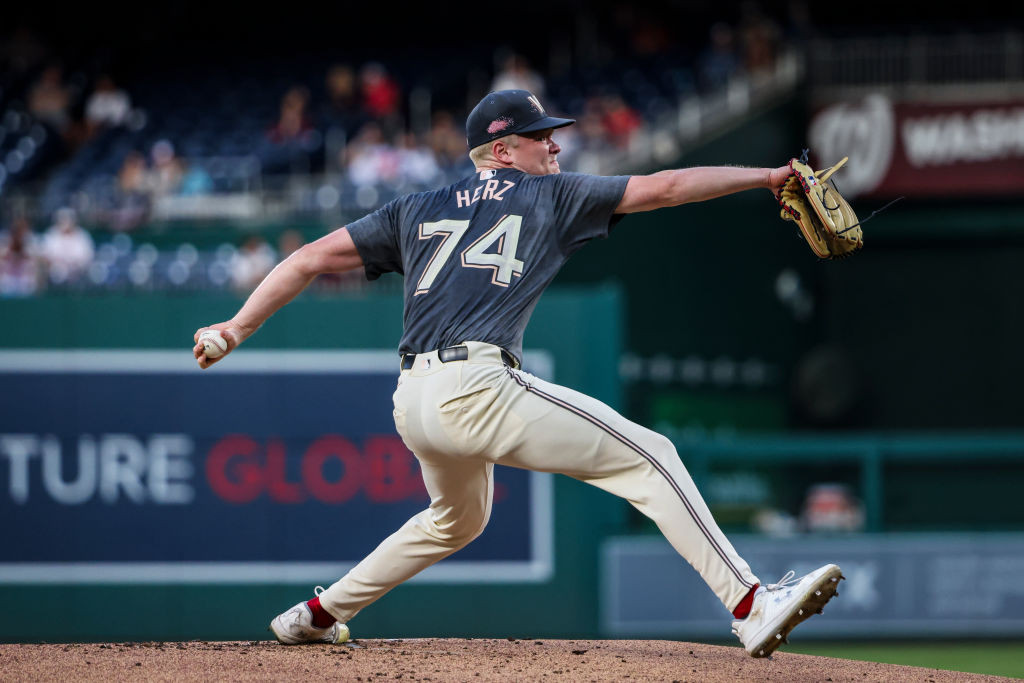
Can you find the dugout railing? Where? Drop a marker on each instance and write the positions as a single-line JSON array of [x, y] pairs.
[[944, 463]]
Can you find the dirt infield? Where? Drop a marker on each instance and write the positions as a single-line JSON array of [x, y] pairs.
[[434, 659]]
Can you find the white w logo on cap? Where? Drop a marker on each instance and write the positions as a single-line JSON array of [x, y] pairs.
[[536, 105]]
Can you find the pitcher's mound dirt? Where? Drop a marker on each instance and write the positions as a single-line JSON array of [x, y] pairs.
[[436, 659]]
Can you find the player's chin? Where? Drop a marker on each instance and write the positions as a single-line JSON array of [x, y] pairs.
[[553, 167]]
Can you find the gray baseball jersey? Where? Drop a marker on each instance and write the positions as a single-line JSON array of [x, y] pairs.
[[503, 228]]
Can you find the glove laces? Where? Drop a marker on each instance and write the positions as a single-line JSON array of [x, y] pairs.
[[876, 211]]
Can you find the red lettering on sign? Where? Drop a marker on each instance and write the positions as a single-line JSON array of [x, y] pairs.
[[233, 469], [241, 469], [391, 474], [319, 452], [278, 486]]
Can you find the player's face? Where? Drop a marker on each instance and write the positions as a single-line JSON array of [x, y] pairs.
[[537, 153]]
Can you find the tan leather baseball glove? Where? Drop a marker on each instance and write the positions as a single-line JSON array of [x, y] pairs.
[[813, 202]]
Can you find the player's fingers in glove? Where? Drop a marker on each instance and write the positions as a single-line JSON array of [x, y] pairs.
[[777, 179]]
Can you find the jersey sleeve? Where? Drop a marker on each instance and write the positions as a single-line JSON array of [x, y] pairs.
[[376, 237], [584, 206]]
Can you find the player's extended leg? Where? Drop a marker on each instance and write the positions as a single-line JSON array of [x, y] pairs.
[[517, 419], [460, 494], [461, 489], [546, 427]]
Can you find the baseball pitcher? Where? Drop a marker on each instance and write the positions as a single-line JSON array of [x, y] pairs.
[[476, 256]]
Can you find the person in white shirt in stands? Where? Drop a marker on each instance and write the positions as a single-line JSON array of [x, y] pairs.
[[107, 107], [68, 248]]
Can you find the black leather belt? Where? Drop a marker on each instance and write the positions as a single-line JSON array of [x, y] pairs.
[[457, 353]]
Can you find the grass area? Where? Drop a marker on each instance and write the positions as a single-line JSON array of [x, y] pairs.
[[999, 658]]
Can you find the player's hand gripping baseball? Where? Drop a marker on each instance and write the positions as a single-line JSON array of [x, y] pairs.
[[216, 341]]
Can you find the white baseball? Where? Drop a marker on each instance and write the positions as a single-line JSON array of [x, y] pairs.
[[214, 345]]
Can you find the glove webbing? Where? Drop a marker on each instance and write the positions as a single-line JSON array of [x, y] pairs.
[[824, 193]]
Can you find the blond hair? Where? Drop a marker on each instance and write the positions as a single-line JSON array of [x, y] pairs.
[[482, 153]]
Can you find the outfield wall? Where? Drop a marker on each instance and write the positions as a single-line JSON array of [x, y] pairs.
[[145, 499]]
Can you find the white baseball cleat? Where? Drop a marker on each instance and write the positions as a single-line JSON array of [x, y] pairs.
[[779, 607], [295, 627]]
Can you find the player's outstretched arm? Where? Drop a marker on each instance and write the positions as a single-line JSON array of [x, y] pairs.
[[333, 253], [672, 188]]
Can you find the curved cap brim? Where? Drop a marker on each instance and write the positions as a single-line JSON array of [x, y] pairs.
[[548, 122]]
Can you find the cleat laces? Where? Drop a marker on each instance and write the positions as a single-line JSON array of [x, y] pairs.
[[786, 581]]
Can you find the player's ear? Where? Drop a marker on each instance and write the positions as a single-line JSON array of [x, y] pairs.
[[502, 151]]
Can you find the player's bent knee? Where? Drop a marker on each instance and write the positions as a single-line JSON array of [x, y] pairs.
[[662, 446], [465, 528]]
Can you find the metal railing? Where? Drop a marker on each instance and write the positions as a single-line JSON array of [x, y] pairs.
[[916, 60], [869, 453]]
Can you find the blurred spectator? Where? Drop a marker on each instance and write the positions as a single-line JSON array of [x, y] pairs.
[[252, 263], [167, 171], [292, 139], [381, 96], [21, 269], [448, 141], [343, 109], [67, 248], [591, 125], [371, 159], [516, 74], [719, 61], [416, 161], [293, 121], [288, 242], [22, 225], [342, 115], [620, 120], [107, 107], [584, 141], [132, 195], [585, 144], [195, 180], [759, 38], [50, 99], [832, 507]]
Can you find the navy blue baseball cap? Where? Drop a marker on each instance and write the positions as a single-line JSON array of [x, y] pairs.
[[505, 112]]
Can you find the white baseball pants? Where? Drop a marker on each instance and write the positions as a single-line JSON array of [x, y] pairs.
[[462, 417]]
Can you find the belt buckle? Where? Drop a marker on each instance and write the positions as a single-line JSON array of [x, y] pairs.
[[453, 353]]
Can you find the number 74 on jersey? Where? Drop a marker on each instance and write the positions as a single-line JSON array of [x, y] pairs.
[[502, 261]]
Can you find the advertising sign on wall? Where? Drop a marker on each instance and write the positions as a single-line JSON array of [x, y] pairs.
[[922, 149], [942, 584], [120, 466]]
